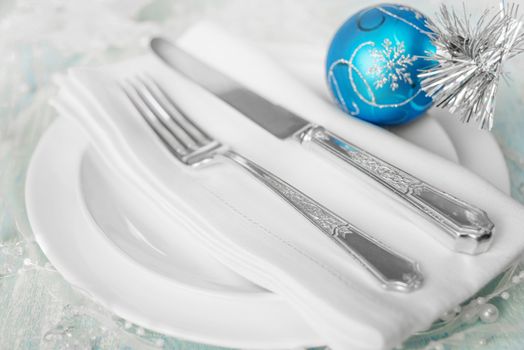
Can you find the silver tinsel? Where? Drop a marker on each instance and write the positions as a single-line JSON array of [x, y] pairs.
[[469, 60]]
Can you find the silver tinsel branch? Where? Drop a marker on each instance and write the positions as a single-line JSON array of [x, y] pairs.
[[469, 60]]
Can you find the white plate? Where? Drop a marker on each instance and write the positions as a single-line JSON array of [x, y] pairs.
[[109, 240]]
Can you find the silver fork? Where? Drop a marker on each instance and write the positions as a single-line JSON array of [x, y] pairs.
[[192, 146]]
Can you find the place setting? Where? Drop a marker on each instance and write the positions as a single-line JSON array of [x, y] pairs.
[[274, 197]]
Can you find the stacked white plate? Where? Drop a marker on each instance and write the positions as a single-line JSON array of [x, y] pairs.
[[109, 240]]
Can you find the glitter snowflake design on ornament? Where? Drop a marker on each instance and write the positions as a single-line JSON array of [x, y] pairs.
[[391, 64]]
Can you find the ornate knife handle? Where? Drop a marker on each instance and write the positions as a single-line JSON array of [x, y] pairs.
[[467, 228], [394, 271]]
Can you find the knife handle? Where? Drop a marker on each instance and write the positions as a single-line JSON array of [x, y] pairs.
[[394, 271], [466, 228]]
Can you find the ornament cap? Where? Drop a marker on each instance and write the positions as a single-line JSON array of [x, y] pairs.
[[469, 60]]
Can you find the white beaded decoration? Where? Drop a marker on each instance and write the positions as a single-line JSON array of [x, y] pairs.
[[489, 313], [452, 327]]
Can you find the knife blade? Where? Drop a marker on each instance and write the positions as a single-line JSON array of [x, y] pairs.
[[271, 117], [464, 227]]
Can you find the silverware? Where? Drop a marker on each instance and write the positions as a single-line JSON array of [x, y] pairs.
[[192, 146], [466, 228]]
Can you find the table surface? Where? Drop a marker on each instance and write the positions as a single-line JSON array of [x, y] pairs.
[[38, 308]]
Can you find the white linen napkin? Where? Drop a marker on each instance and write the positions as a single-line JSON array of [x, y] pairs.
[[257, 234]]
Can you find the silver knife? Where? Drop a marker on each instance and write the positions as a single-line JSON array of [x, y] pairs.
[[465, 228]]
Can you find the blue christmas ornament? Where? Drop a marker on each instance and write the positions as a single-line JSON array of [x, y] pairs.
[[373, 64]]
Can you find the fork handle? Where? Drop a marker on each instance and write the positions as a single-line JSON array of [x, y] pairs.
[[466, 228], [394, 271]]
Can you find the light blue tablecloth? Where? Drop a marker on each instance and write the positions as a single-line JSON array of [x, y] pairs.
[[38, 309]]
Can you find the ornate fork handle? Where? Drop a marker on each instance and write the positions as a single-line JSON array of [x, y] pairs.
[[390, 268], [468, 228]]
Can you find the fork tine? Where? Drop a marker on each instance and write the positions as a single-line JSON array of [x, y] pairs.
[[164, 117], [200, 136], [152, 120]]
